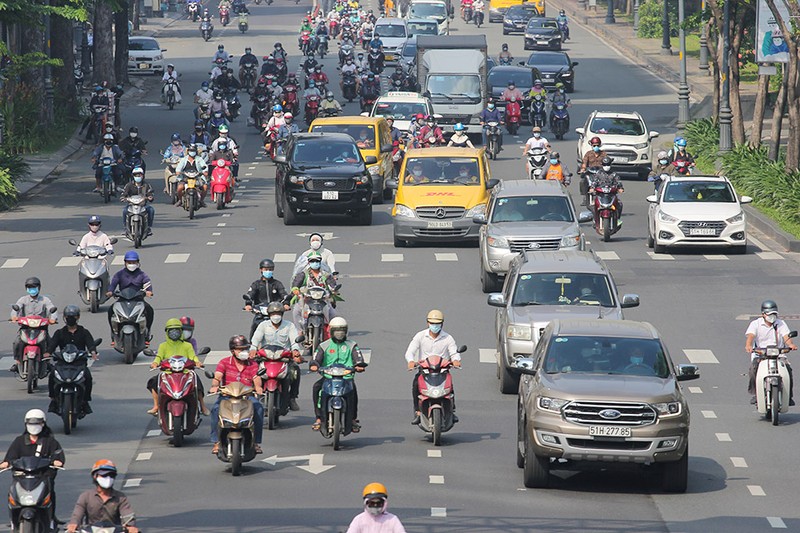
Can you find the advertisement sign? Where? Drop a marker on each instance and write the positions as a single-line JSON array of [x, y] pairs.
[[770, 45]]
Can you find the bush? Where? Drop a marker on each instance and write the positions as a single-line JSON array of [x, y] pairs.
[[8, 191], [650, 15], [703, 138]]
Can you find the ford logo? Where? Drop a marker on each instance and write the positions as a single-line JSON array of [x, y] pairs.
[[610, 414], [330, 184]]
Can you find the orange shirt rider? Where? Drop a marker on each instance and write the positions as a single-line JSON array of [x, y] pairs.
[[556, 170]]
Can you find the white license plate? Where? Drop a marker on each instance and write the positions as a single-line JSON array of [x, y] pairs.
[[330, 195], [543, 43], [144, 65], [438, 224], [702, 231], [618, 159], [609, 431]]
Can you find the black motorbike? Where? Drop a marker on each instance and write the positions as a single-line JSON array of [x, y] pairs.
[[206, 29], [69, 384], [376, 60], [128, 325], [537, 114], [349, 86], [559, 120], [336, 400], [30, 497], [234, 105], [493, 136]]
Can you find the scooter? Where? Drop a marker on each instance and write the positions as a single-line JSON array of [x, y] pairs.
[[221, 184], [477, 18], [248, 76], [93, 277], [316, 325], [772, 382], [493, 134], [291, 104], [243, 22], [684, 168], [236, 425], [537, 160], [217, 119], [98, 123], [345, 53], [606, 211], [376, 60], [537, 114], [30, 496], [312, 109], [275, 365], [336, 402], [178, 408], [137, 223], [172, 189], [349, 86], [224, 16], [513, 117], [129, 333], [436, 398], [587, 186], [69, 384], [206, 29], [32, 334], [191, 193], [564, 28], [169, 91], [322, 47], [233, 103], [77, 78], [559, 120], [306, 43], [107, 178]]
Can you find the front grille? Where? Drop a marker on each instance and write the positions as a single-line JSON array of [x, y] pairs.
[[440, 213], [687, 226], [620, 155], [631, 414], [521, 245], [440, 232], [145, 59], [330, 185], [621, 445]]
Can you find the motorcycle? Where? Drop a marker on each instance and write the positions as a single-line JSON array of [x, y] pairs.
[[270, 136], [32, 334], [170, 90], [336, 402], [248, 76], [224, 16], [537, 160], [132, 160], [477, 18], [217, 119], [368, 101], [505, 60], [191, 192], [93, 277], [306, 47], [107, 178], [291, 103], [436, 399], [322, 47], [559, 120], [466, 14], [330, 112], [129, 333], [98, 124], [772, 382], [274, 366], [564, 29], [366, 37], [194, 10], [684, 168], [234, 105], [345, 53], [606, 211], [69, 384], [312, 109], [77, 78], [349, 86], [513, 117], [221, 185], [137, 224], [315, 323], [376, 59], [398, 153], [493, 134], [236, 425], [587, 186], [178, 406], [30, 496], [537, 114], [206, 29], [172, 188], [243, 22]]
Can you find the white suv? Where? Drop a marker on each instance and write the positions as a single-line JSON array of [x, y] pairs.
[[697, 211], [402, 106], [625, 138]]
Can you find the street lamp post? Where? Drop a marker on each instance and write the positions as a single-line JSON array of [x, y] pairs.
[[666, 47], [725, 115], [703, 38], [636, 16], [610, 13], [683, 86]]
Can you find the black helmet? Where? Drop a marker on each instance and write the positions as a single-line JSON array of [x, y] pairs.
[[266, 263], [606, 162], [555, 155], [238, 341], [72, 310], [274, 307], [221, 47], [505, 46], [769, 307], [133, 129], [34, 282]]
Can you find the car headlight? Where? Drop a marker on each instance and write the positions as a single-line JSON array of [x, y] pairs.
[[667, 408], [158, 58], [479, 209], [497, 242], [641, 146], [669, 219], [568, 241], [554, 405], [404, 211], [735, 218], [519, 332], [567, 74], [374, 169], [297, 180]]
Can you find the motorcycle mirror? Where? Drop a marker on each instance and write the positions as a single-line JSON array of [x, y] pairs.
[[245, 297], [462, 348], [97, 342], [72, 242], [114, 240], [205, 350], [300, 339], [163, 49], [209, 374], [149, 353], [53, 309], [15, 307], [792, 334]]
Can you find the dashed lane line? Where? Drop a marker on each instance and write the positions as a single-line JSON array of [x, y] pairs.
[[487, 355], [439, 512], [221, 225], [391, 258], [211, 243], [723, 437], [756, 490], [716, 257], [177, 258], [701, 357], [660, 257], [154, 433], [770, 256], [68, 262], [231, 258], [607, 255], [446, 256], [15, 263], [436, 480], [739, 462], [216, 234], [434, 454], [776, 522], [144, 456], [709, 414], [342, 258], [284, 258], [133, 482], [695, 390]]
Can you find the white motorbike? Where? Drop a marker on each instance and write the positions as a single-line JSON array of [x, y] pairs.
[[93, 276], [772, 382], [537, 160]]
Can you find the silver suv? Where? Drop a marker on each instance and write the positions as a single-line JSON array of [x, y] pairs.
[[542, 286], [602, 391], [525, 215]]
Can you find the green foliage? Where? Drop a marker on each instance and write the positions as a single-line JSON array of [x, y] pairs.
[[20, 107], [650, 15], [703, 138], [14, 164], [30, 13], [8, 191]]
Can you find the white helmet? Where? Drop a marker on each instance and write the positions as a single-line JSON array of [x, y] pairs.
[[35, 416], [338, 323]]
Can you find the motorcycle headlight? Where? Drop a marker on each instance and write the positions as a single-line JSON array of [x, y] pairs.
[[667, 409], [663, 217], [497, 242], [735, 218], [570, 241], [554, 405], [79, 376], [641, 146], [404, 211], [519, 332], [479, 209]]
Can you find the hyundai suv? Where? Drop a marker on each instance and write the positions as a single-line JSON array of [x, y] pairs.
[[543, 286], [602, 391], [625, 139]]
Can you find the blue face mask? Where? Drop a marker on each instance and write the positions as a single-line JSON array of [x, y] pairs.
[[267, 274], [554, 161], [314, 264], [138, 179], [596, 148], [33, 291], [435, 328]]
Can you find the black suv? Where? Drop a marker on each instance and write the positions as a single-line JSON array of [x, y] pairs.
[[323, 173]]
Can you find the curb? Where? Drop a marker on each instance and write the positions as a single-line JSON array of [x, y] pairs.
[[770, 228]]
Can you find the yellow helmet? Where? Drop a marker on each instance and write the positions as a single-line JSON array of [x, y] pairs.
[[435, 316], [375, 490]]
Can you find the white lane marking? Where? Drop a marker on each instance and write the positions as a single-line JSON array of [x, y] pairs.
[[776, 522], [285, 258], [660, 257], [216, 234], [436, 480], [439, 512], [769, 256], [118, 260], [14, 263], [723, 437], [701, 356], [245, 181], [68, 262], [177, 258], [487, 355], [211, 243], [144, 456], [247, 174], [230, 258], [133, 482], [446, 256], [342, 258], [695, 390], [434, 453], [242, 187], [709, 414], [366, 354], [225, 215], [756, 490], [154, 433], [608, 256], [739, 462], [234, 201], [391, 258], [712, 257], [251, 168], [214, 357], [221, 225]]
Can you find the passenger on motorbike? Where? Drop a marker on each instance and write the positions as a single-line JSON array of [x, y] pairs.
[[238, 368], [192, 162], [511, 92], [430, 341], [95, 237], [275, 91], [33, 303], [132, 276], [142, 188], [459, 139], [505, 57], [98, 99], [361, 62], [269, 66], [316, 244], [287, 129], [279, 332], [171, 74], [679, 155], [490, 114], [265, 290], [396, 134], [593, 158], [336, 350], [662, 167], [174, 149], [607, 178], [79, 337], [312, 275], [375, 519], [767, 330], [107, 150], [103, 502], [557, 170], [278, 51]]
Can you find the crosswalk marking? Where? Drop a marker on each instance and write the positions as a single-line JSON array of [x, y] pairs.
[[154, 433], [211, 243], [769, 256], [446, 256], [285, 258], [342, 258], [391, 258], [118, 260], [700, 356], [221, 225], [144, 456], [708, 414], [439, 512], [230, 258], [660, 257], [756, 490], [723, 437], [133, 482], [607, 255], [776, 522], [712, 257], [177, 258], [216, 234], [695, 390], [434, 454], [214, 357], [69, 261], [14, 263], [487, 355], [225, 215], [436, 480]]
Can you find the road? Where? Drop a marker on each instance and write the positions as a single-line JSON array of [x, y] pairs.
[[738, 482]]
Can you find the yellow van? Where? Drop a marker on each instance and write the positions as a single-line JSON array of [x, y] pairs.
[[373, 137], [497, 8], [439, 190]]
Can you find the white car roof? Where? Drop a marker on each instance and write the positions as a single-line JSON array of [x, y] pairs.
[[696, 177], [616, 114]]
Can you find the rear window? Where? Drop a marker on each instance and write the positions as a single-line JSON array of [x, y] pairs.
[[522, 79], [422, 171], [548, 59], [400, 110], [530, 11], [536, 23], [563, 288], [617, 126], [423, 28], [390, 30]]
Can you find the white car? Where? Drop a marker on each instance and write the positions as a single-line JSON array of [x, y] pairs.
[[697, 211], [402, 106], [145, 56], [625, 139], [393, 33], [431, 9]]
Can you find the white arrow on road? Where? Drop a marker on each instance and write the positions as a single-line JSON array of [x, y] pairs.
[[314, 465]]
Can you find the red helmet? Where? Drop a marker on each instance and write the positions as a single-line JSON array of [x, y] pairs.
[[420, 116], [595, 141], [187, 322]]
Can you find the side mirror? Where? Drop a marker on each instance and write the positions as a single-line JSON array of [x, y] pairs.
[[386, 148], [522, 63], [370, 160], [462, 348], [574, 63], [163, 49], [53, 310], [73, 243], [580, 131], [525, 365], [745, 200], [652, 199], [492, 183], [280, 159], [365, 114], [585, 216], [479, 219], [205, 350], [98, 342], [245, 297], [629, 300], [496, 299], [653, 134], [209, 374], [687, 372], [392, 183], [792, 334], [113, 240]]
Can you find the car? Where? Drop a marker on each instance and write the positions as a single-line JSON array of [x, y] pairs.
[[521, 76], [402, 107], [625, 139], [490, 63], [554, 67], [602, 391], [431, 9], [697, 211], [323, 173], [542, 33], [498, 8], [542, 285], [422, 27], [526, 215], [145, 56], [393, 33], [408, 54], [516, 17]]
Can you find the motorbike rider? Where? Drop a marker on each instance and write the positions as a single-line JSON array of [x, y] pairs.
[[416, 175], [203, 94], [662, 167], [99, 98], [193, 162], [269, 67], [103, 502], [171, 74], [557, 170], [177, 149], [79, 337], [459, 138], [336, 350], [107, 150], [767, 330], [221, 54], [132, 276], [431, 129], [95, 237], [278, 51], [312, 276], [228, 82], [218, 103], [606, 178], [279, 332], [223, 152], [375, 519], [593, 158], [142, 188], [563, 23], [133, 142], [311, 90], [560, 95], [490, 114], [536, 141], [200, 135], [238, 367], [287, 129], [247, 57], [511, 92], [349, 68], [319, 77], [275, 91], [330, 103], [361, 62], [110, 129], [430, 341], [396, 134], [316, 244], [265, 290], [371, 87], [218, 70], [398, 75], [505, 57], [679, 154], [33, 303], [537, 88]]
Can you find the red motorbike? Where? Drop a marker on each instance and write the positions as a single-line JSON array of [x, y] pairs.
[[305, 42], [683, 167], [436, 397], [275, 367], [224, 16], [221, 183], [290, 104], [312, 109], [32, 335], [430, 138], [270, 136], [607, 210], [178, 408], [513, 116]]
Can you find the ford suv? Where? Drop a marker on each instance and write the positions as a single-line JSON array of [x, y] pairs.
[[543, 286], [603, 391], [625, 139]]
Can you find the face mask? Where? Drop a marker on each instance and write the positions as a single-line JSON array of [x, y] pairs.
[[374, 511], [339, 335], [176, 143], [537, 135], [187, 334], [192, 154], [33, 291], [606, 169], [131, 266], [417, 173], [316, 245], [174, 334], [314, 264], [637, 360], [490, 107], [138, 179], [242, 356], [276, 319], [108, 143], [34, 429], [435, 328], [134, 135], [105, 482], [596, 148], [71, 320], [663, 161], [770, 318], [267, 274]]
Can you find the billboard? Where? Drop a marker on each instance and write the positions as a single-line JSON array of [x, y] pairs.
[[770, 44]]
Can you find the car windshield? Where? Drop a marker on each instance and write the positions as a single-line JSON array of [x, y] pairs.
[[421, 171], [617, 126], [560, 288], [400, 110], [529, 11], [356, 131], [142, 44], [423, 28], [391, 30], [559, 60], [538, 23], [410, 50], [521, 78], [425, 10], [606, 355], [532, 209], [325, 153], [449, 87], [699, 191]]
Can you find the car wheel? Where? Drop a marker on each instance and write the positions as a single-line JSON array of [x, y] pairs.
[[377, 198], [388, 194], [739, 250], [520, 436], [643, 174], [489, 280], [535, 469], [290, 217], [570, 88], [650, 240], [658, 248], [509, 381], [676, 474]]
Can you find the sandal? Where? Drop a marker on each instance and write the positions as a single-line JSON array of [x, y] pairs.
[[258, 449], [215, 449], [355, 427], [153, 411], [316, 425]]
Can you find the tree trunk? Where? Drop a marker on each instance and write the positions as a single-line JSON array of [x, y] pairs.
[[777, 120], [103, 44], [121, 42], [61, 39], [33, 42], [737, 124], [714, 53], [792, 79], [758, 112]]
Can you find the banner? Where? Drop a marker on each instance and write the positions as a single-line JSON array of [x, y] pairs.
[[770, 45]]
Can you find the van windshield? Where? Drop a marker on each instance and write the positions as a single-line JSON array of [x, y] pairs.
[[400, 110], [442, 171], [429, 10], [453, 87], [423, 28], [361, 133], [606, 355], [391, 30]]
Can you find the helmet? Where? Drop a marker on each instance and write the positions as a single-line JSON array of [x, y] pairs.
[[131, 256], [94, 219], [133, 129], [595, 141], [108, 137], [176, 136], [266, 263], [318, 68], [33, 282], [662, 155], [559, 85], [606, 161], [198, 124], [435, 316], [221, 47], [314, 255], [311, 84], [537, 129], [769, 307], [511, 82], [173, 323], [680, 141], [35, 416], [561, 12], [275, 307], [329, 94], [192, 146], [288, 116], [537, 81], [277, 45], [337, 324], [170, 66], [555, 154], [458, 127], [371, 76], [223, 129], [505, 46], [97, 88], [238, 341], [247, 50], [72, 310], [375, 490], [187, 322], [420, 116], [104, 465]]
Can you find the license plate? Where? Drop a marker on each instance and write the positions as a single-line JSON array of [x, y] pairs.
[[544, 43], [439, 224], [618, 159], [190, 183], [702, 231], [330, 195], [609, 431], [388, 57], [144, 65]]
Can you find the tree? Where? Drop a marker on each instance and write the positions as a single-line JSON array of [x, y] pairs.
[[103, 64], [121, 17]]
